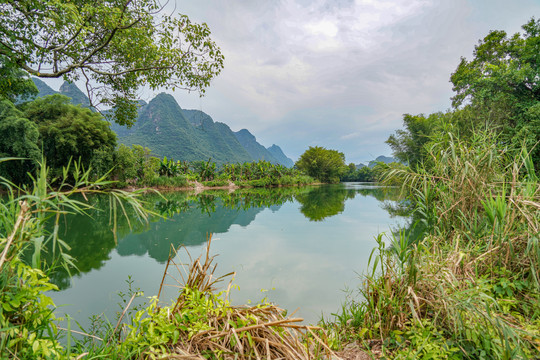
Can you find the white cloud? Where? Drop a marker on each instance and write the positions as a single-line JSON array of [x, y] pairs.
[[339, 72]]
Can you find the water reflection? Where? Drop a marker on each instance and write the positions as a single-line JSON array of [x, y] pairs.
[[190, 218]]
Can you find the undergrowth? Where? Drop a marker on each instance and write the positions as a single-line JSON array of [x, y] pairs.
[[469, 287]]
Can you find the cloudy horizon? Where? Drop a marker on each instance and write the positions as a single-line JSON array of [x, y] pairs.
[[339, 74]]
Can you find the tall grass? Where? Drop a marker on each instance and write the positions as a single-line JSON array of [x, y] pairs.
[[472, 279], [27, 327]]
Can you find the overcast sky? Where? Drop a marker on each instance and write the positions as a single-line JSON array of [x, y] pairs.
[[339, 73]]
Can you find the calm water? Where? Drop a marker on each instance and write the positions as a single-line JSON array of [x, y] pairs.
[[300, 248]]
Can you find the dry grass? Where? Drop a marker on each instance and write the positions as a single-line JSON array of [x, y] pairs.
[[226, 331]]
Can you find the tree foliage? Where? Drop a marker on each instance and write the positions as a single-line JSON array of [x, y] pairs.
[[407, 145], [322, 164], [18, 138], [498, 90], [67, 131], [505, 70], [502, 84], [115, 45]]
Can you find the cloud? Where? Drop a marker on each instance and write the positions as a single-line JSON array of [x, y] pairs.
[[339, 73]]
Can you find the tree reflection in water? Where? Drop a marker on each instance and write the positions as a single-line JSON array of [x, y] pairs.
[[189, 218]]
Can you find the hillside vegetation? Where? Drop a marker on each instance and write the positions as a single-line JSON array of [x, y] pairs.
[[188, 135]]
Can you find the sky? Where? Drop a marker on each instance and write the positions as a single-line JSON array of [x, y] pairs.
[[339, 74]]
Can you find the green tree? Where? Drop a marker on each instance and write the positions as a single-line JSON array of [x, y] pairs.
[[67, 131], [115, 45], [502, 84], [322, 164], [408, 144], [18, 138], [15, 84]]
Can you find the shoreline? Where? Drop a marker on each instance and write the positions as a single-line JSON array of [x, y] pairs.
[[199, 187]]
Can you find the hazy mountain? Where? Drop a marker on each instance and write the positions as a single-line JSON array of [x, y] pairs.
[[68, 89], [77, 96], [43, 88], [256, 150], [278, 154], [383, 159]]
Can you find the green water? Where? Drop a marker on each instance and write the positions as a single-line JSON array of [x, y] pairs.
[[298, 247]]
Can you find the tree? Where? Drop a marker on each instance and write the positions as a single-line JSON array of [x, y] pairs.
[[116, 46], [322, 164], [15, 84], [504, 70], [502, 84], [408, 145], [67, 131], [18, 138]]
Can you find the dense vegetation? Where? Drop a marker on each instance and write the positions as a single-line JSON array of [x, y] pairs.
[[55, 129], [467, 286], [116, 45], [136, 166], [322, 164], [372, 173]]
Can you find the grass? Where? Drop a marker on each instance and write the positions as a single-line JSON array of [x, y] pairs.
[[27, 323], [468, 288]]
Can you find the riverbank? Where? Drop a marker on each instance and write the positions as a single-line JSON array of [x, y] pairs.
[[203, 206], [198, 187], [467, 287]]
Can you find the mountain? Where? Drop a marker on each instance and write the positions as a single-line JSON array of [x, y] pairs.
[[43, 88], [256, 150], [163, 127], [68, 89], [168, 130], [383, 159], [77, 96], [278, 154]]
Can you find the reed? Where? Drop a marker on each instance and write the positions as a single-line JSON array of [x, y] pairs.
[[472, 278], [27, 323]]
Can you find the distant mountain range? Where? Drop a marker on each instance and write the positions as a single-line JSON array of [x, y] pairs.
[[192, 135], [382, 158]]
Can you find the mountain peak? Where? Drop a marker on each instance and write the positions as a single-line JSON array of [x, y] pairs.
[[245, 133], [71, 90], [277, 153], [256, 150]]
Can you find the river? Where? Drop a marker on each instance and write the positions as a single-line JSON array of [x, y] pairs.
[[300, 248]]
